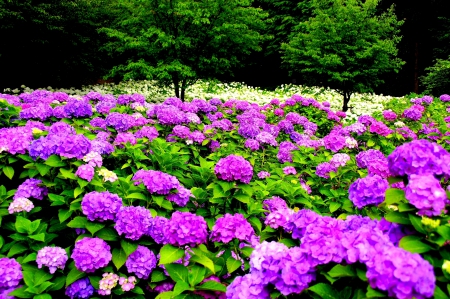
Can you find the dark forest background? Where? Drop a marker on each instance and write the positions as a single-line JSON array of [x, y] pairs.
[[57, 43]]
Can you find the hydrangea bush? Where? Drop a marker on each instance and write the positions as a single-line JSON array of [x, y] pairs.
[[107, 194]]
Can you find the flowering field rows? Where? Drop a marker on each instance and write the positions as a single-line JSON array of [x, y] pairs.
[[113, 195]]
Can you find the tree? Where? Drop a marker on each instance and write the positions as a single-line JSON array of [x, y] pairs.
[[180, 41], [437, 80], [345, 46]]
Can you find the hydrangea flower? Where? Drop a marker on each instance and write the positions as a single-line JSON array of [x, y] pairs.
[[389, 115], [234, 168], [31, 189], [252, 144], [148, 132], [91, 254], [445, 98], [52, 257], [266, 138], [20, 204], [185, 228], [181, 198], [158, 230], [426, 194], [101, 206], [363, 159], [127, 284], [10, 273], [156, 181], [78, 108], [94, 159], [289, 170], [141, 262], [107, 283], [268, 259], [323, 170], [263, 174], [77, 146], [278, 218], [249, 286], [339, 160], [81, 288], [380, 128], [85, 172], [368, 190], [229, 227], [379, 167], [133, 222]]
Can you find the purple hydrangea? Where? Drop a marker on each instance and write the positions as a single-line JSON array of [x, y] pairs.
[[39, 111], [252, 144], [323, 170], [185, 228], [229, 227], [101, 206], [20, 204], [156, 181], [445, 98], [248, 130], [10, 273], [268, 259], [85, 172], [334, 142], [78, 108], [379, 167], [263, 174], [380, 128], [91, 254], [363, 159], [389, 115], [77, 146], [426, 194], [197, 137], [31, 189], [141, 262], [278, 218], [250, 286], [234, 168], [181, 198], [170, 115], [413, 113], [120, 122], [266, 138], [4, 293], [289, 170], [274, 203], [147, 132], [339, 160], [133, 222], [181, 131], [81, 288], [98, 122], [165, 286], [52, 257], [158, 230], [368, 190], [419, 157]]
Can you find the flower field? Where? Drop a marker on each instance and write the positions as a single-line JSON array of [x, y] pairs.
[[108, 194]]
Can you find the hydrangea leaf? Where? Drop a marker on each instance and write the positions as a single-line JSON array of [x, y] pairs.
[[169, 254]]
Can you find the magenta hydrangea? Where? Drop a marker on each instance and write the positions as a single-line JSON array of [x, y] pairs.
[[252, 144], [368, 191], [334, 142], [141, 262], [339, 160], [10, 273], [426, 194], [52, 257], [91, 254], [268, 259], [77, 146], [263, 174], [133, 222], [274, 203], [185, 228], [234, 168], [101, 206], [85, 172], [389, 115], [156, 181], [229, 227], [289, 170]]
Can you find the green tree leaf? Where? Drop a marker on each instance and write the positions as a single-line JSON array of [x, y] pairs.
[[177, 272], [169, 254]]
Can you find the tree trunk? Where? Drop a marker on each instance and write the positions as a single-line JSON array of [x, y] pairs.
[[347, 96], [183, 89], [416, 68], [176, 84]]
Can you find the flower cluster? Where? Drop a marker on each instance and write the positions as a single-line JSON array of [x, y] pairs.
[[141, 262], [91, 254], [185, 228], [234, 168], [31, 189], [52, 257], [81, 288], [10, 273], [133, 222], [229, 227], [368, 190], [156, 181], [101, 206]]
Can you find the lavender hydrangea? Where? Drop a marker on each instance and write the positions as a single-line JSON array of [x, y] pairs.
[[91, 254], [20, 204], [78, 108], [185, 228], [363, 159], [77, 146], [101, 206], [268, 259], [81, 288], [234, 168], [52, 257], [368, 190], [289, 170], [266, 138], [133, 222], [148, 132], [249, 286], [263, 174], [85, 172], [141, 262], [31, 189], [181, 198], [389, 115], [229, 227], [158, 230], [426, 194], [339, 160], [323, 170], [252, 144], [156, 181], [10, 273]]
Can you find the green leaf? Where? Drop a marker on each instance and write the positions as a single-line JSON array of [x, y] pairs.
[[57, 200], [247, 251], [119, 257], [243, 198], [43, 296], [203, 260], [342, 271], [78, 222], [58, 283], [397, 217], [8, 171], [43, 169], [196, 275], [413, 244], [371, 293], [158, 276], [439, 294], [63, 215], [68, 174], [94, 227], [137, 196], [2, 241], [128, 247], [169, 254], [334, 206], [22, 224], [77, 192], [417, 223], [370, 143], [212, 286], [177, 272], [255, 222], [107, 234], [39, 237], [21, 293], [73, 276], [54, 161], [16, 249], [232, 264], [29, 258], [394, 196], [443, 230], [180, 287], [165, 295], [324, 290]]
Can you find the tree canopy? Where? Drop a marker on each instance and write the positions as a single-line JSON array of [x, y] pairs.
[[345, 45], [180, 41]]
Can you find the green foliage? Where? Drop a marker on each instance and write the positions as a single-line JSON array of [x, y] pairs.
[[178, 42], [346, 46], [437, 80]]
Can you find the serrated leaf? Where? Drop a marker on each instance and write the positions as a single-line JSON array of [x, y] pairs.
[[397, 217], [334, 206], [107, 234], [39, 237], [43, 169], [94, 227], [180, 287], [196, 275], [54, 161], [157, 276], [16, 249], [63, 215], [324, 290], [77, 192], [137, 196], [119, 257], [394, 196], [342, 271], [169, 254], [232, 264]]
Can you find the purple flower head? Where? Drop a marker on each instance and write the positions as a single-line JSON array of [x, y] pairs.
[[278, 112], [185, 228], [4, 293], [296, 118], [165, 286], [81, 288], [170, 115], [105, 106], [101, 206], [286, 126], [148, 132], [278, 218], [323, 170], [248, 130], [234, 168], [379, 167], [215, 102], [339, 160], [91, 254], [156, 181], [268, 259], [419, 157], [363, 159], [413, 113], [124, 138], [285, 151], [267, 138], [98, 122], [229, 227], [426, 194], [310, 128], [181, 198], [357, 128], [77, 146], [20, 204], [366, 120], [299, 221], [141, 262], [407, 133], [197, 137], [252, 144], [38, 111], [120, 122], [274, 203], [133, 222], [182, 132], [263, 174], [380, 128], [52, 257], [367, 191], [31, 189], [85, 172], [427, 99], [334, 142], [271, 129], [78, 108], [158, 230], [10, 273], [445, 98], [61, 129], [289, 170], [250, 286]]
